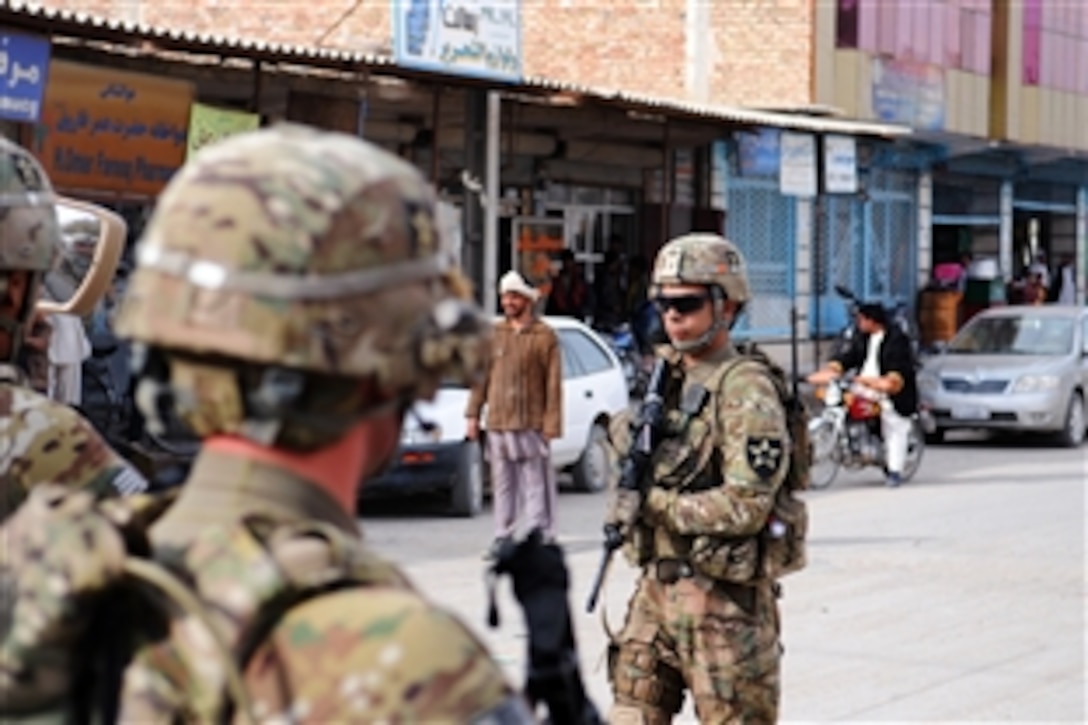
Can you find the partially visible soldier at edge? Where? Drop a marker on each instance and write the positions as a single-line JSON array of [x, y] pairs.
[[45, 441], [291, 300], [704, 617]]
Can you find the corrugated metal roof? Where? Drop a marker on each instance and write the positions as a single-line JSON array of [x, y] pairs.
[[735, 114], [62, 21]]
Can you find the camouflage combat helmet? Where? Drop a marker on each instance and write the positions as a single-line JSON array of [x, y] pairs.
[[280, 268], [29, 234], [704, 259]]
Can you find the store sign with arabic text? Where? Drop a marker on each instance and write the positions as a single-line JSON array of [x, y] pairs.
[[468, 37], [111, 130], [24, 68]]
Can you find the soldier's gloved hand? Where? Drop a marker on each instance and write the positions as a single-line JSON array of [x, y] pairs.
[[658, 503], [626, 507], [60, 551]]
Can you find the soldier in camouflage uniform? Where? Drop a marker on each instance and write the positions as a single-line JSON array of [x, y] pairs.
[[703, 617], [291, 300], [42, 440]]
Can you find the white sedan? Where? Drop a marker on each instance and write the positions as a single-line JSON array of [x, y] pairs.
[[434, 456]]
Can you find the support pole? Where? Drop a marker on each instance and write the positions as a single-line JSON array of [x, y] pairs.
[[1081, 256], [666, 184], [1005, 241], [491, 203], [258, 88], [820, 280], [436, 123]]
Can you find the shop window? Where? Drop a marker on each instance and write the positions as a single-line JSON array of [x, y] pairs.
[[846, 24]]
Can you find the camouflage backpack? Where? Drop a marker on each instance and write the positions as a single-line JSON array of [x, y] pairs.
[[783, 537], [181, 659]]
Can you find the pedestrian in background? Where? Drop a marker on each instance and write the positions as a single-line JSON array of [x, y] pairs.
[[569, 293], [524, 398], [886, 372]]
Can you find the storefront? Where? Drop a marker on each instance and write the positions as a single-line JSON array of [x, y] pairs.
[[868, 240], [762, 221]]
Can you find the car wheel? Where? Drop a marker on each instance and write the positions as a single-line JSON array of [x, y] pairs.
[[467, 496], [592, 468], [1072, 435], [936, 437]]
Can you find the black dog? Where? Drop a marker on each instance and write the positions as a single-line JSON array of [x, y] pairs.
[[541, 583]]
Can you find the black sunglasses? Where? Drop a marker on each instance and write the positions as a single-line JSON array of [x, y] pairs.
[[683, 304]]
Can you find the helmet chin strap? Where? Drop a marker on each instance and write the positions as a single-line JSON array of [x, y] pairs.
[[703, 341]]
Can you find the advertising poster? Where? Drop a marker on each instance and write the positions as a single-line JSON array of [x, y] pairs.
[[111, 130], [797, 165], [471, 37], [208, 124], [537, 244], [908, 93], [840, 165], [24, 69]]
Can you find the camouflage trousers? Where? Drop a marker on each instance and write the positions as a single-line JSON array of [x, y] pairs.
[[720, 642]]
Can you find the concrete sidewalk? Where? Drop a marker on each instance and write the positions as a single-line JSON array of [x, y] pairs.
[[959, 597]]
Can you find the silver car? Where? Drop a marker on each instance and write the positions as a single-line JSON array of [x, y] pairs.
[[1020, 368]]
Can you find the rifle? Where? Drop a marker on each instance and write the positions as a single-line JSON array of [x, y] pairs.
[[646, 430]]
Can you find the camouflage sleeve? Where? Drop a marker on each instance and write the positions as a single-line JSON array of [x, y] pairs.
[[47, 441], [753, 443], [375, 655], [619, 439]]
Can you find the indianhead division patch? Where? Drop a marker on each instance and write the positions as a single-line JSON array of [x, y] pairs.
[[764, 455]]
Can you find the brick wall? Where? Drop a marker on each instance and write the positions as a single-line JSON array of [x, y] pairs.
[[755, 52], [633, 45], [299, 22], [763, 52]]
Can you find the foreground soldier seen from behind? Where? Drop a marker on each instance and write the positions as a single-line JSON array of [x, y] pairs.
[[704, 616], [291, 300], [45, 441]]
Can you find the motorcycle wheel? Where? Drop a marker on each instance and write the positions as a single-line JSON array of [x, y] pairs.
[[916, 448], [823, 444]]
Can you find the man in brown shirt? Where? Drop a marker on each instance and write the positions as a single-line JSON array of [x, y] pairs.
[[524, 398]]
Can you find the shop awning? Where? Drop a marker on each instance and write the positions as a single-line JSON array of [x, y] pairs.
[[90, 27]]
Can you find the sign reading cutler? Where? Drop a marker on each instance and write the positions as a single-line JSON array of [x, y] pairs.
[[469, 37], [110, 130]]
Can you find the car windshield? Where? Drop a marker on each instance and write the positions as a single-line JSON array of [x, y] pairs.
[[1009, 335]]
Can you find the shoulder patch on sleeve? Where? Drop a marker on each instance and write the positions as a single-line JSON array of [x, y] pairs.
[[764, 455]]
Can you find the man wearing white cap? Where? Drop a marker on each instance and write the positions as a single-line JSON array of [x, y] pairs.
[[523, 394]]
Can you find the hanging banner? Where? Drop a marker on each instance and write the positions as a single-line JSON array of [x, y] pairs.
[[909, 93], [797, 165], [840, 165], [111, 130], [208, 124], [758, 152], [24, 68], [468, 37]]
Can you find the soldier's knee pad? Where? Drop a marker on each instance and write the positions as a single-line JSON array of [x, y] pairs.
[[640, 680]]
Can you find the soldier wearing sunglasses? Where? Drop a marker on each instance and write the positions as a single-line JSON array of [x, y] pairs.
[[704, 615]]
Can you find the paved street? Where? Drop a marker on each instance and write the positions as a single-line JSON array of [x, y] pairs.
[[957, 597]]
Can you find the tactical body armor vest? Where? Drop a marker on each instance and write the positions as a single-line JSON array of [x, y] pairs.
[[689, 461]]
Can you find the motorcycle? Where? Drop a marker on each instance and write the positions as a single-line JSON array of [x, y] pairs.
[[847, 434]]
